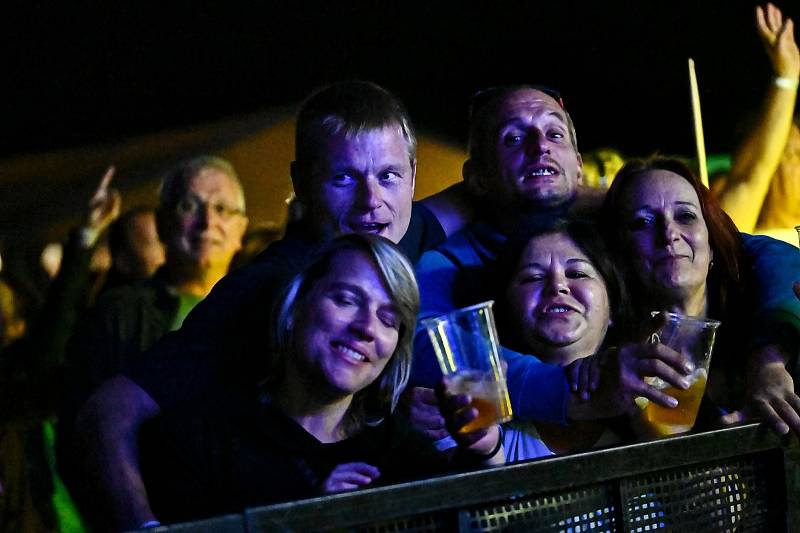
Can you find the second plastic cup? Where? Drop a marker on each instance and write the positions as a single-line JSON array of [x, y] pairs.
[[466, 346], [694, 338]]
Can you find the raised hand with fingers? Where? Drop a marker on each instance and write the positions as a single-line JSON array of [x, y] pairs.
[[103, 209], [777, 34], [583, 375], [349, 476], [619, 375]]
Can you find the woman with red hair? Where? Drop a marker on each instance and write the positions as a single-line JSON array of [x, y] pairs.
[[684, 254]]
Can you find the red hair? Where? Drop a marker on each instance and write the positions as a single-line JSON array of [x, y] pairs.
[[724, 280]]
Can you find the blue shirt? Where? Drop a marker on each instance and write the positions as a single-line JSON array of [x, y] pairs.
[[455, 275]]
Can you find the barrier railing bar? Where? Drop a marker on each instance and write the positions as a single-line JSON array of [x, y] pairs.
[[546, 475]]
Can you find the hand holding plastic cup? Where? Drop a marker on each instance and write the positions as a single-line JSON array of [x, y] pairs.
[[694, 338], [466, 346]]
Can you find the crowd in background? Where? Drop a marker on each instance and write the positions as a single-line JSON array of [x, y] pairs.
[[175, 366]]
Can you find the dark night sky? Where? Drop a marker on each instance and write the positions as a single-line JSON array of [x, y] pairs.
[[102, 72]]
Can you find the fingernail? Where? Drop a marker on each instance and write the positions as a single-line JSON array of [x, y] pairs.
[[684, 383], [672, 402], [783, 429], [688, 366]]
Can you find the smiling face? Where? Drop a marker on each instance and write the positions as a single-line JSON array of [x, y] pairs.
[[362, 183], [532, 161], [559, 300], [209, 221], [347, 327], [668, 238]]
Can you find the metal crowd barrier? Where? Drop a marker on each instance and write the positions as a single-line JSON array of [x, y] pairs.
[[741, 478]]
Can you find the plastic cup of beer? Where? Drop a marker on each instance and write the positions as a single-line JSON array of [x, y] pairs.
[[466, 346], [694, 338]]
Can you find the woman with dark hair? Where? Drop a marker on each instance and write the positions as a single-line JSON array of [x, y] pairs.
[[323, 421], [583, 252], [683, 254], [561, 298]]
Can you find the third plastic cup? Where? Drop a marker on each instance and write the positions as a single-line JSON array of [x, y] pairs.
[[466, 346], [694, 338]]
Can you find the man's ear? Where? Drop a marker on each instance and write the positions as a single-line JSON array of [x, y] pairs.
[[413, 175], [580, 169], [241, 229], [473, 178]]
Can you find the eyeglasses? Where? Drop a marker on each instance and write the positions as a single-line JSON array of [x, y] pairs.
[[191, 205], [482, 97]]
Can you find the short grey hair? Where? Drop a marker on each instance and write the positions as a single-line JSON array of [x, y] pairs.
[[176, 182]]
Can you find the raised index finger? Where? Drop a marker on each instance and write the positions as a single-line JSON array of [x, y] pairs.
[[105, 181]]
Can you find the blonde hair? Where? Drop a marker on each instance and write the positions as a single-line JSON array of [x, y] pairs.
[[381, 396]]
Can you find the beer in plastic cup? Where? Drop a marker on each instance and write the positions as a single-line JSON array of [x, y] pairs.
[[466, 346], [694, 338]]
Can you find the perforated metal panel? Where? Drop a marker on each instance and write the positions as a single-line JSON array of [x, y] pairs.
[[721, 496], [586, 509]]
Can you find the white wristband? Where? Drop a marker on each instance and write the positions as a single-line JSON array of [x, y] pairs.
[[785, 83]]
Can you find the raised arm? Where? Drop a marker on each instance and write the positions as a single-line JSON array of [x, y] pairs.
[[67, 296], [756, 159]]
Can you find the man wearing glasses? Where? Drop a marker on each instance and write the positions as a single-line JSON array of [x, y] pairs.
[[354, 172], [201, 220]]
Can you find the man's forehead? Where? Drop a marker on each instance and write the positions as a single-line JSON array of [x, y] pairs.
[[209, 178], [384, 141], [211, 181], [528, 102]]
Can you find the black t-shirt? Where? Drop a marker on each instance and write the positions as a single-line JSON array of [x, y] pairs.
[[224, 336], [424, 233], [236, 452]]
